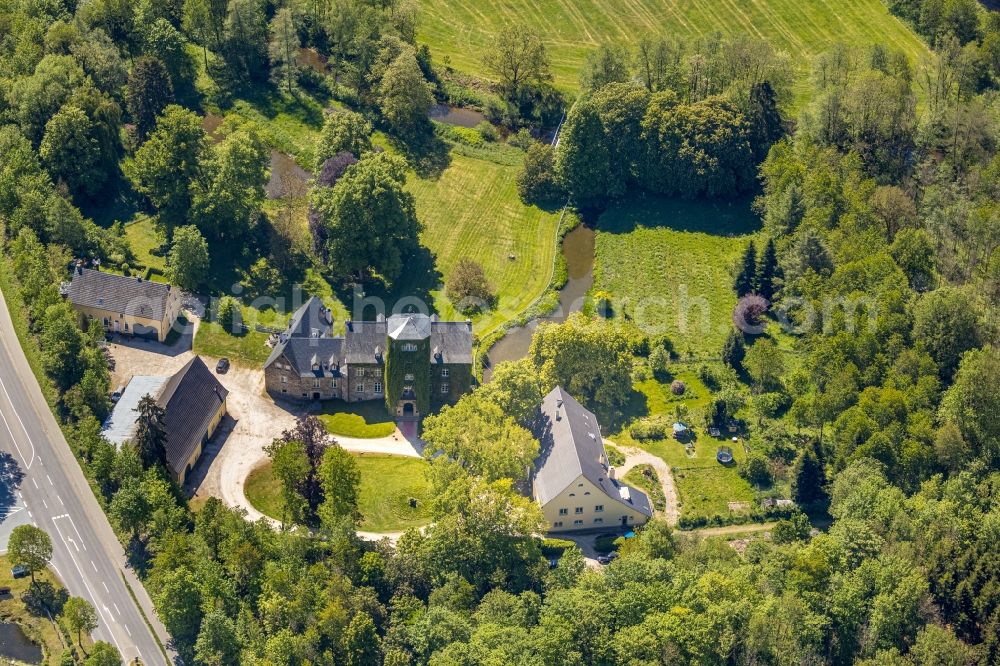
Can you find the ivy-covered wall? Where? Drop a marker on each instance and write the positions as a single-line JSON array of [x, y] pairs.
[[398, 364], [459, 382]]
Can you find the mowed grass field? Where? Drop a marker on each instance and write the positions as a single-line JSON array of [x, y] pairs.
[[472, 211], [463, 30], [667, 262]]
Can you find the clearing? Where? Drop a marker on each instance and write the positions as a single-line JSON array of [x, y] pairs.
[[666, 264]]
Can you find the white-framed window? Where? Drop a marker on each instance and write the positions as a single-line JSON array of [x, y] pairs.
[[445, 388], [558, 523], [284, 379], [333, 383], [409, 347], [563, 512], [578, 509], [408, 377], [360, 372], [599, 508], [626, 519], [378, 387], [444, 372], [598, 521], [578, 522], [360, 388], [316, 383]]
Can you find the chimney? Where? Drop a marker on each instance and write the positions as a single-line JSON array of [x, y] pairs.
[[558, 415], [468, 322], [168, 287], [611, 473], [138, 279]]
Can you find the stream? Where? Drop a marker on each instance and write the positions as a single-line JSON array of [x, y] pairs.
[[578, 249]]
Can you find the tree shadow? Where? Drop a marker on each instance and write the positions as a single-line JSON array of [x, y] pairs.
[[420, 277], [718, 217], [11, 476], [428, 155], [43, 597]]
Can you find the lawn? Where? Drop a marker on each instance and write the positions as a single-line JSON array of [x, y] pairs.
[[144, 239], [666, 264], [460, 32], [388, 483], [705, 487], [472, 211], [34, 623], [365, 420]]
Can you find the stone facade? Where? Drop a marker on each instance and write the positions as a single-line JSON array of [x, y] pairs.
[[412, 362]]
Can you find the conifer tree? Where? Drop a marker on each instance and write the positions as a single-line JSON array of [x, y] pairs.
[[767, 271], [746, 281]]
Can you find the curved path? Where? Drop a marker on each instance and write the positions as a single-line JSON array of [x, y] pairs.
[[635, 456]]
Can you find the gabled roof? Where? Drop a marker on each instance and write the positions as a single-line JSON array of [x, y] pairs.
[[308, 333], [120, 425], [312, 320], [189, 399], [451, 342], [303, 353], [409, 327], [363, 339], [118, 294], [572, 446]]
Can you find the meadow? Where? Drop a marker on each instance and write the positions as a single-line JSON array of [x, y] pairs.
[[472, 211], [667, 263], [459, 32]]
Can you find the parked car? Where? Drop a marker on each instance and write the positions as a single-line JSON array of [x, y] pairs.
[[607, 559], [116, 395], [222, 366], [19, 571]]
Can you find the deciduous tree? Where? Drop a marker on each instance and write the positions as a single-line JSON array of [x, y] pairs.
[[188, 258], [80, 616], [149, 93], [30, 547]]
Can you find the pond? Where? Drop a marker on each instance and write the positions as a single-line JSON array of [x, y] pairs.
[[456, 115], [287, 177], [578, 249], [14, 644]]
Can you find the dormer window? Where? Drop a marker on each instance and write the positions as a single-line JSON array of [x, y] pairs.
[[409, 347]]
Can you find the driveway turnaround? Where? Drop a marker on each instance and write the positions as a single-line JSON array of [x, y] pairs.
[[44, 476]]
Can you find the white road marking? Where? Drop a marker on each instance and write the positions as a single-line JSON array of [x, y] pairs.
[[50, 480], [129, 632], [30, 516], [93, 565], [35, 483], [60, 500], [105, 587], [116, 608], [44, 503], [86, 584], [19, 420]]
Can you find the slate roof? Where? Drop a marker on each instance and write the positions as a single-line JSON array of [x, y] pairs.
[[453, 341], [302, 353], [120, 425], [308, 333], [571, 446], [362, 340], [409, 327], [118, 294], [190, 399]]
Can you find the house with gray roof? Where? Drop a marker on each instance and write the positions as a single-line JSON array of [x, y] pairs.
[[414, 362], [126, 305], [193, 403], [572, 479]]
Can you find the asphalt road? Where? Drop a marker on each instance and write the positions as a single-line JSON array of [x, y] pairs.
[[42, 476]]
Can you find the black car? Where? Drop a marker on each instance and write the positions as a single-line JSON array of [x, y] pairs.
[[222, 366], [19, 571], [607, 559]]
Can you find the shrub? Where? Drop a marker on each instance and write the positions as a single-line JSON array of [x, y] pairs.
[[606, 543], [487, 131], [468, 288], [677, 387], [659, 362], [555, 547], [652, 427], [521, 139], [615, 457], [230, 315], [749, 313], [755, 470]]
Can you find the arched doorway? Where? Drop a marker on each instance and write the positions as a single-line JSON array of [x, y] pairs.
[[408, 409]]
